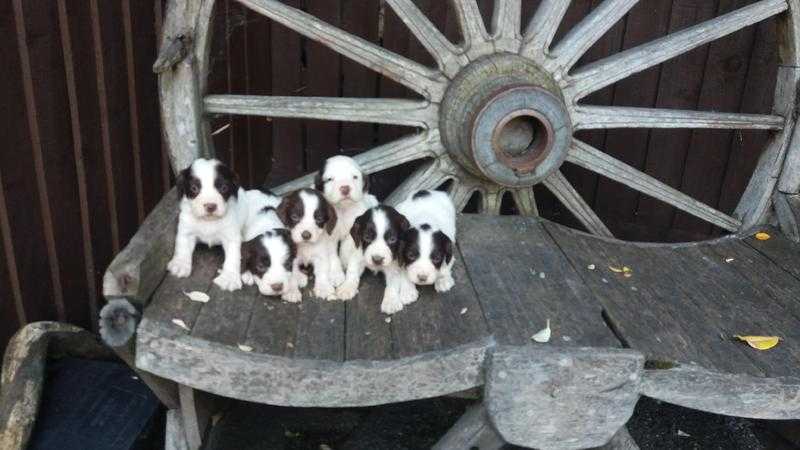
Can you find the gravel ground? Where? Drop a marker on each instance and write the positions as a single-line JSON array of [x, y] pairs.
[[418, 425]]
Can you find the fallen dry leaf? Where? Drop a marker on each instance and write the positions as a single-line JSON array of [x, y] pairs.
[[543, 335], [197, 296], [180, 323], [762, 236], [615, 269], [760, 342], [729, 260], [463, 311], [245, 348], [591, 267]]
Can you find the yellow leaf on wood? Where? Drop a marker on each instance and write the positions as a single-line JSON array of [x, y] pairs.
[[761, 236], [760, 342]]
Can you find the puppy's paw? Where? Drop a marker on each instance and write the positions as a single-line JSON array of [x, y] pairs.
[[228, 281], [325, 292], [294, 296], [347, 290], [248, 279], [444, 284], [409, 294], [337, 275], [391, 304], [302, 280], [180, 268]]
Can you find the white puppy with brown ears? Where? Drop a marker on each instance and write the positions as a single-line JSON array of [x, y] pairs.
[[345, 187], [268, 252], [210, 212], [427, 254], [311, 221]]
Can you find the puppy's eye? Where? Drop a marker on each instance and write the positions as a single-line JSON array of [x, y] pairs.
[[369, 236], [391, 239], [355, 177], [295, 217], [328, 180], [436, 259], [412, 256], [194, 189], [223, 188]]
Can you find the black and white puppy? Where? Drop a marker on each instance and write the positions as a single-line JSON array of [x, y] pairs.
[[311, 221], [428, 245], [268, 253], [211, 213], [377, 233], [345, 187]]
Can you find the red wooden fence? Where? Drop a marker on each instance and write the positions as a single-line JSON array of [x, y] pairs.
[[81, 161]]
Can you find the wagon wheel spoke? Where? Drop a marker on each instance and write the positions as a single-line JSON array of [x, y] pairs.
[[473, 30], [395, 153], [388, 111], [542, 28], [427, 82], [428, 176], [569, 197], [588, 31], [593, 159], [526, 202], [491, 202], [507, 24], [594, 117], [447, 56], [607, 71], [461, 191]]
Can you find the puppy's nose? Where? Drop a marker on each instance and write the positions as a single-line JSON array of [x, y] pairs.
[[378, 260], [306, 235], [277, 287], [211, 208], [345, 190], [422, 278]]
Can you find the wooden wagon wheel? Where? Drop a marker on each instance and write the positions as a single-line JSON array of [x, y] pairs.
[[499, 112]]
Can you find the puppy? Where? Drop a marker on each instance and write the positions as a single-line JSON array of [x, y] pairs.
[[210, 212], [311, 221], [427, 254], [268, 253], [345, 187], [378, 233]]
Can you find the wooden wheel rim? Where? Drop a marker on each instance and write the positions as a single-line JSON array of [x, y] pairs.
[[184, 106]]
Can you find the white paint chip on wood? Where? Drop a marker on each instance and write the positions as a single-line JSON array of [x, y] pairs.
[[543, 336], [180, 323], [197, 296]]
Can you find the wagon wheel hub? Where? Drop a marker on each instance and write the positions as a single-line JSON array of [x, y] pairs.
[[503, 118]]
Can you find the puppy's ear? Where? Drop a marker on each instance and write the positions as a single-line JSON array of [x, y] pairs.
[[318, 185], [182, 181], [355, 230], [447, 245], [246, 255], [332, 218], [283, 210], [364, 182], [402, 222], [230, 177]]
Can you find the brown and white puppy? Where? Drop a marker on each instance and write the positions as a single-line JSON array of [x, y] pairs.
[[211, 213], [268, 253], [427, 255], [377, 233], [345, 187], [311, 221]]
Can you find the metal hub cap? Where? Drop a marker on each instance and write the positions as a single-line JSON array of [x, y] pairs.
[[504, 120]]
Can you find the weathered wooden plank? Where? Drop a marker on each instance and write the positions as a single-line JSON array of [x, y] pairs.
[[649, 310], [787, 211], [320, 330], [437, 321], [225, 318], [170, 301], [368, 336], [523, 280], [722, 393], [593, 117], [588, 393], [472, 430], [139, 268], [778, 249], [283, 381], [273, 325], [175, 435]]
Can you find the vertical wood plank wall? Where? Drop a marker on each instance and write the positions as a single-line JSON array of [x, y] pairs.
[[82, 160]]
